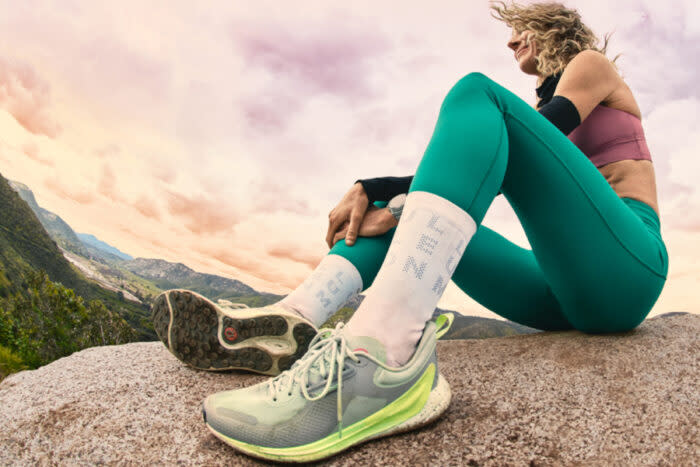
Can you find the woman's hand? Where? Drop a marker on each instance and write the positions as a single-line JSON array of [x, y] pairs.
[[376, 221], [351, 209]]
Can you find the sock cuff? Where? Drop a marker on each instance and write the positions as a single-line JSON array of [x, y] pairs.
[[444, 206], [338, 261]]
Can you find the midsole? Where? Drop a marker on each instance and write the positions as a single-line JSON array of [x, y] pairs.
[[402, 409]]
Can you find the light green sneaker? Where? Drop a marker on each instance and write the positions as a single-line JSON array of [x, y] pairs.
[[341, 393], [207, 336]]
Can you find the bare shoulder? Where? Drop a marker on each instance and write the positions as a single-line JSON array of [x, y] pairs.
[[592, 56], [621, 96], [590, 66], [588, 79]]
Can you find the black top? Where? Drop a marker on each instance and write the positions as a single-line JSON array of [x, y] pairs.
[[546, 90]]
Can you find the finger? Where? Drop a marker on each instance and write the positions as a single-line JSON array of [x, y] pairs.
[[355, 221], [333, 225], [341, 233], [338, 236]]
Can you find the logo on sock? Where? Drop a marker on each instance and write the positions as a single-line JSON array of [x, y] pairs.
[[439, 286], [456, 255], [431, 224], [426, 244], [411, 261]]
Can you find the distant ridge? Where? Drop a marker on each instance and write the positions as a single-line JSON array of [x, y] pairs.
[[47, 308], [146, 277], [85, 245], [166, 275], [57, 228], [104, 247], [463, 327]]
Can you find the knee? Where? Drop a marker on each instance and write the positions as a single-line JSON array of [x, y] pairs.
[[474, 77], [466, 86]]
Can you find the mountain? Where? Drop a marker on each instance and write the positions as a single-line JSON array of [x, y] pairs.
[[142, 279], [56, 227], [166, 275], [25, 244], [47, 309], [85, 245], [138, 280], [463, 327], [26, 247], [102, 247]]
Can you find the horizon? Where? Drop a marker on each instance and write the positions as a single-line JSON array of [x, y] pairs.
[[363, 293], [219, 138]]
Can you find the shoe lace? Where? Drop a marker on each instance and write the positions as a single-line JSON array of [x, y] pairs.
[[325, 359]]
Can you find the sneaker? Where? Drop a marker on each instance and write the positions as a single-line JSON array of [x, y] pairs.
[[207, 336], [339, 394]]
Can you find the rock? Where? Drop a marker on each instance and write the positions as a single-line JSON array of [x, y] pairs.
[[539, 399]]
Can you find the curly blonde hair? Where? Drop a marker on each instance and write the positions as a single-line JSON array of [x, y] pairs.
[[559, 33]]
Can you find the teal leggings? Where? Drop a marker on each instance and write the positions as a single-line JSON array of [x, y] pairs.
[[597, 263]]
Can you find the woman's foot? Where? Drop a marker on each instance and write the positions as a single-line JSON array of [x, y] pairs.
[[207, 336], [339, 394]]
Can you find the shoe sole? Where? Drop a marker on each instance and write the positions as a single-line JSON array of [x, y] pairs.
[[436, 404], [203, 336]]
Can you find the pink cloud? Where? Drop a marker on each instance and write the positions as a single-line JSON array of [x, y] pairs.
[[31, 150], [272, 195], [257, 269], [201, 215], [111, 67], [107, 151], [336, 61], [270, 111], [331, 60], [144, 239], [107, 185], [58, 188], [146, 206], [164, 172], [26, 97], [293, 254]]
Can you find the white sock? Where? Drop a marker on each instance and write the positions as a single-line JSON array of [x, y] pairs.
[[429, 241], [334, 281]]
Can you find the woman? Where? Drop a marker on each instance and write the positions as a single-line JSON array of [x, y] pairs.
[[579, 177]]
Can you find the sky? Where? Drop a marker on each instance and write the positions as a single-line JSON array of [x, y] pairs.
[[222, 136]]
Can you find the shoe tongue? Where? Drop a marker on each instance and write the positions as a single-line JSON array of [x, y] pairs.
[[368, 345]]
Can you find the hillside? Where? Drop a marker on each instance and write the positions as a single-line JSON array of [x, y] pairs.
[[463, 327], [103, 247], [56, 227], [142, 279], [26, 247], [139, 280], [166, 275]]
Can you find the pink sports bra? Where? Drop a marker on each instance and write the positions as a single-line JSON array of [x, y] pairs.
[[610, 135]]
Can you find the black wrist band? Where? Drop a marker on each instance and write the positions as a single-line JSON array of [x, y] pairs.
[[385, 188]]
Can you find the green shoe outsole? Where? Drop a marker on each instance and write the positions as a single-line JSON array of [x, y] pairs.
[[203, 335]]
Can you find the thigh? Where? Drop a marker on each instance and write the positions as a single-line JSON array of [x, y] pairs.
[[507, 280], [596, 254]]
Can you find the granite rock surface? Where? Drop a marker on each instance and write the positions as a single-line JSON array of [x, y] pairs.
[[539, 399]]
